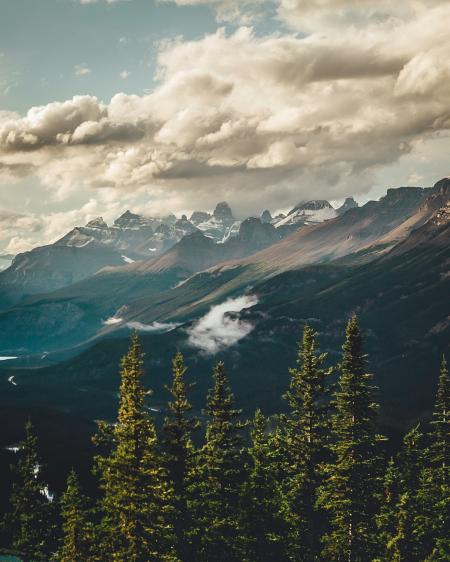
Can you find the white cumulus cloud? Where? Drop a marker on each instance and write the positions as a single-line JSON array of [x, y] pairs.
[[261, 120], [219, 329]]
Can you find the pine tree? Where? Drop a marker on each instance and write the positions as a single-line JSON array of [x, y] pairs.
[[305, 429], [434, 490], [179, 450], [405, 545], [265, 525], [32, 516], [387, 518], [440, 449], [218, 478], [350, 490], [77, 530], [136, 496]]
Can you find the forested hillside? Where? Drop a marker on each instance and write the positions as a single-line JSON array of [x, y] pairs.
[[318, 482]]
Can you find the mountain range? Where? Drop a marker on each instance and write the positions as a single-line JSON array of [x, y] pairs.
[[217, 287], [86, 250]]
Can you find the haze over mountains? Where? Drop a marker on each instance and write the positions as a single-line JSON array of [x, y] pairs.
[[213, 285]]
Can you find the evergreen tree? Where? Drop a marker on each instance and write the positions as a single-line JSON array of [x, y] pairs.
[[387, 518], [440, 448], [434, 491], [32, 516], [405, 545], [218, 479], [77, 530], [351, 488], [178, 428], [136, 496], [305, 432], [263, 500]]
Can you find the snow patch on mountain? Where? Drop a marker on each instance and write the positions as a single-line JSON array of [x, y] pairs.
[[308, 212]]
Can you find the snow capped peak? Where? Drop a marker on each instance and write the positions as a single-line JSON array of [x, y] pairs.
[[98, 222], [131, 220], [220, 226], [308, 212], [313, 205]]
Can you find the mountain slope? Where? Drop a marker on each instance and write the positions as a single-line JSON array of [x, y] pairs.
[[353, 231], [361, 233], [401, 298], [85, 250], [76, 313], [150, 291], [50, 267]]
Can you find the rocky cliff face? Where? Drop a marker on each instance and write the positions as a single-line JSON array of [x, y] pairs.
[[198, 217], [266, 217], [223, 212], [348, 204], [221, 226]]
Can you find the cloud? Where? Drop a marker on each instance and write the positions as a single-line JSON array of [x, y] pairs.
[[125, 74], [257, 119], [331, 15], [156, 327], [415, 179], [81, 70], [104, 1], [240, 11], [218, 329], [112, 320], [20, 232]]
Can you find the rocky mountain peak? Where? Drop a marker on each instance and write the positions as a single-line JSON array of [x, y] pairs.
[[313, 205], [403, 194], [131, 220], [266, 217], [442, 187], [195, 239], [185, 224], [98, 222], [198, 217], [256, 234], [438, 196], [349, 203], [308, 212], [223, 212], [126, 218]]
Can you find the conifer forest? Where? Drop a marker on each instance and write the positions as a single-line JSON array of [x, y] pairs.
[[318, 482]]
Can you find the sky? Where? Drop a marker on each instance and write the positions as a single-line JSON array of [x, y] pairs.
[[164, 106]]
